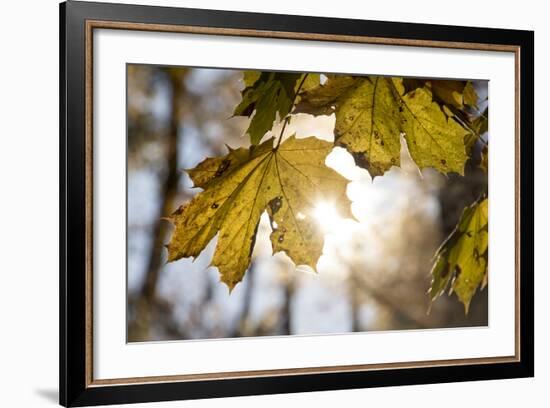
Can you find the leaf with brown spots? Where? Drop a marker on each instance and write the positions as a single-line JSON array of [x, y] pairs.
[[461, 261], [434, 139], [373, 112], [286, 182]]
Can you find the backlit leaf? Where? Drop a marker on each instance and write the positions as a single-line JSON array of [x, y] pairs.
[[287, 182], [322, 100], [250, 77], [263, 97], [373, 112], [461, 262], [469, 95], [368, 124], [434, 139]]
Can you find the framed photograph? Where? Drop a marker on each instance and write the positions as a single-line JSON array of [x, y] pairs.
[[256, 204]]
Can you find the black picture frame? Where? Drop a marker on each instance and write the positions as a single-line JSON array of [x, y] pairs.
[[75, 387]]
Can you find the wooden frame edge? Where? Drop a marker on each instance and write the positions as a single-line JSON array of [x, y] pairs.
[[231, 375], [290, 35], [89, 206]]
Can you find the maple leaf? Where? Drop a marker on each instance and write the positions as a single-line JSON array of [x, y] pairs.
[[250, 77], [266, 94], [322, 99], [434, 139], [373, 112], [461, 261], [286, 181], [453, 93]]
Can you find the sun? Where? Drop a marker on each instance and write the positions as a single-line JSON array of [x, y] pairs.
[[327, 216]]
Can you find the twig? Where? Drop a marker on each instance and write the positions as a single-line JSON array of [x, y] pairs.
[[287, 118]]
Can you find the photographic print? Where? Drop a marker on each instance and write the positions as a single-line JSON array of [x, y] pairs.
[[266, 203]]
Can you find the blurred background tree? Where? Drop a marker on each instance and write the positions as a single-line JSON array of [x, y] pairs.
[[373, 275]]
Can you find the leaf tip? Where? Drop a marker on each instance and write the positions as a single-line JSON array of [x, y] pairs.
[[466, 307], [230, 285], [429, 308]]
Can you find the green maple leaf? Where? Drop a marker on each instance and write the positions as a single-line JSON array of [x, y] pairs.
[[450, 93], [250, 78], [434, 139], [286, 181], [373, 112], [368, 124], [454, 93], [265, 95], [461, 262], [322, 99]]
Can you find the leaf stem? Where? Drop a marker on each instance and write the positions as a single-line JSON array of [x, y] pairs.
[[287, 118], [480, 113], [466, 125]]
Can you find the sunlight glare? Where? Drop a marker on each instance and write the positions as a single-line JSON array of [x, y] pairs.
[[325, 213]]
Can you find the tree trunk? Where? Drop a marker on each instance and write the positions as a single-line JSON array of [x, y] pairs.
[[140, 327]]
